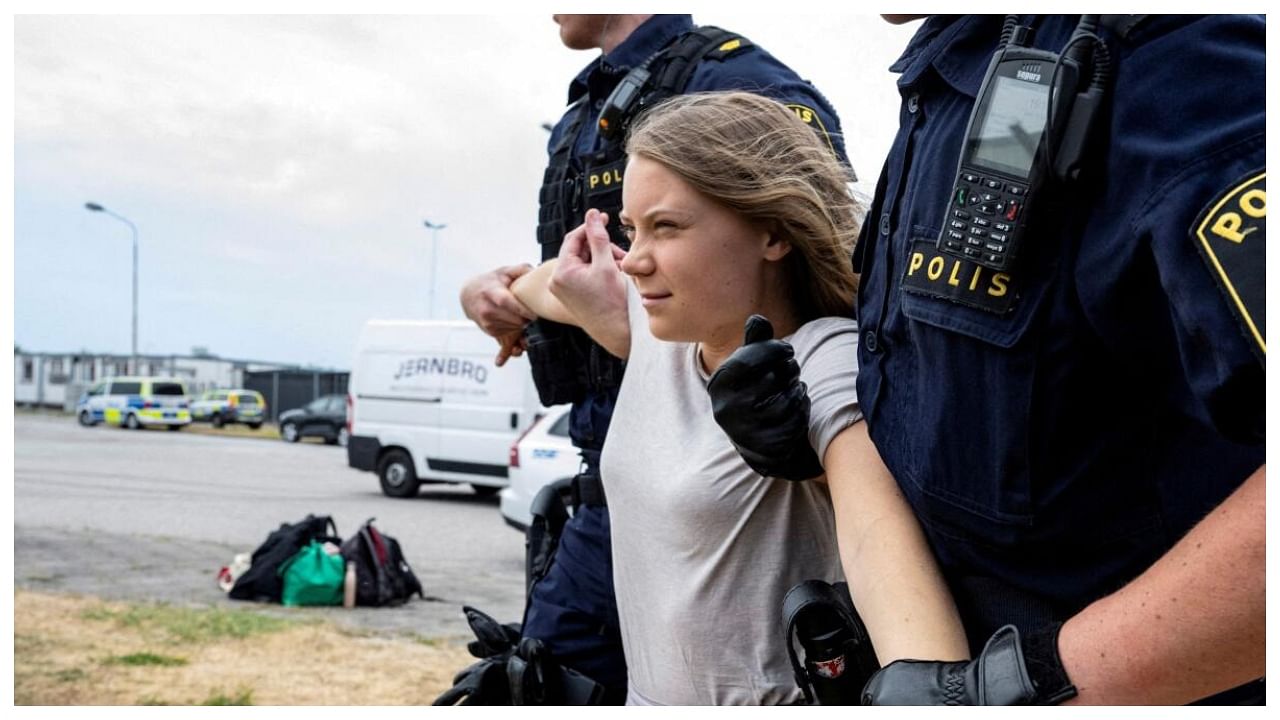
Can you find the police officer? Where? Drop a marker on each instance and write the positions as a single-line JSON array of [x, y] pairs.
[[570, 606], [1081, 434]]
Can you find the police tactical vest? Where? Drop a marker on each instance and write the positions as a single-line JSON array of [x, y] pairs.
[[566, 363], [572, 186]]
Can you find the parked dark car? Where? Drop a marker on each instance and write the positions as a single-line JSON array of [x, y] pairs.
[[325, 417]]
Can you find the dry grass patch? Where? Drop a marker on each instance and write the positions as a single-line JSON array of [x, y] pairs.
[[71, 650], [267, 431]]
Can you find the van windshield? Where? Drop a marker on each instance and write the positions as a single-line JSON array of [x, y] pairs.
[[167, 388]]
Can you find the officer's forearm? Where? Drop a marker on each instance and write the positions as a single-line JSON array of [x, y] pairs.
[[1192, 625], [532, 289], [893, 578]]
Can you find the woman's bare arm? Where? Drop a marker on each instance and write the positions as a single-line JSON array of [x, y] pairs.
[[533, 290], [583, 286], [893, 578]]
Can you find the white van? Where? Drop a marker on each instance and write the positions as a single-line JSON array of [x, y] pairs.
[[425, 403]]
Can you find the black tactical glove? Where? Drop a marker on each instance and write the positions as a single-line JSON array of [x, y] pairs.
[[484, 682], [492, 637], [1000, 675], [761, 404]]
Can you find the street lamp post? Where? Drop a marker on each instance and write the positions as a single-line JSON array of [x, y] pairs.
[[434, 228], [95, 207]]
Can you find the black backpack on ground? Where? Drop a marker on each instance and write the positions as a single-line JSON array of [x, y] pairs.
[[383, 576], [260, 581]]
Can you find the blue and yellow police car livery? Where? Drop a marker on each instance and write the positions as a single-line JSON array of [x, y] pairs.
[[135, 403]]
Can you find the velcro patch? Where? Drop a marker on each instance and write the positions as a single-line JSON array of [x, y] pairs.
[[1231, 233], [606, 178], [930, 272]]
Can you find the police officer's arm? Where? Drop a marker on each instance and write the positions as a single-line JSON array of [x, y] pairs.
[[1192, 625], [893, 578], [583, 286], [487, 301]]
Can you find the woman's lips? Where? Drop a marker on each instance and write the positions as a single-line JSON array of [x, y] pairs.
[[650, 300]]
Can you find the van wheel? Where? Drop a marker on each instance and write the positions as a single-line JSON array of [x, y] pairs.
[[485, 490], [86, 418], [396, 474], [254, 426], [172, 428], [216, 420], [131, 422]]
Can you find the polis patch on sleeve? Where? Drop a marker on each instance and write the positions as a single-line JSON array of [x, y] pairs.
[[810, 117], [1231, 233]]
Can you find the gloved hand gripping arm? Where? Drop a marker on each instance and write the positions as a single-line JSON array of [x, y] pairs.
[[1010, 670]]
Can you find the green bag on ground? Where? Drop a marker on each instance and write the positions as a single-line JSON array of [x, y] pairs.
[[312, 577]]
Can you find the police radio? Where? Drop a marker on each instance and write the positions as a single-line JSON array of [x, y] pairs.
[[1030, 124]]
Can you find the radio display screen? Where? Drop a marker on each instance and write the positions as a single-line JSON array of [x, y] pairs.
[[1011, 126]]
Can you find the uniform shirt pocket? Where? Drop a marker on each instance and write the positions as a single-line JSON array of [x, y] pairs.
[[973, 339]]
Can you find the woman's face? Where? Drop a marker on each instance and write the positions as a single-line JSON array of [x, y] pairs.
[[699, 267]]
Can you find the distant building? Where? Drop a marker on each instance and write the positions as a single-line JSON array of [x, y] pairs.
[[58, 379]]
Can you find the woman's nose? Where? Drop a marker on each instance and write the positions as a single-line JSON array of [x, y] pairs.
[[637, 261]]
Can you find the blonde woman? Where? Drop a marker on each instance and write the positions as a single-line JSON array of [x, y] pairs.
[[735, 208]]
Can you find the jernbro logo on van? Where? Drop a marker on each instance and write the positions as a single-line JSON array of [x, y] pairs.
[[444, 366]]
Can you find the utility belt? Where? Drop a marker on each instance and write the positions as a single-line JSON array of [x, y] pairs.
[[587, 489], [567, 364]]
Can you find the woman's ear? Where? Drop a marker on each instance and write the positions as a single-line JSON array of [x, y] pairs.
[[775, 247]]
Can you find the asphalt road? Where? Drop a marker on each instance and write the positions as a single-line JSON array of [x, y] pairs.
[[152, 515]]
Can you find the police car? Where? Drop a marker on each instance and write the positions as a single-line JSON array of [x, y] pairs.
[[230, 406], [539, 457], [135, 403]]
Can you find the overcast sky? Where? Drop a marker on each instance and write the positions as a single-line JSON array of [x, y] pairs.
[[279, 168]]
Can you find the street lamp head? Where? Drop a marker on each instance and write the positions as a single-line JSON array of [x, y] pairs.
[[433, 226], [94, 207]]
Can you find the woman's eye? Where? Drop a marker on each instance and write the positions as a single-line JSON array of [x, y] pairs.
[[629, 231]]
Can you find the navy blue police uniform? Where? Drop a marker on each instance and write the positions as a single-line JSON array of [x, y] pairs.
[[572, 609], [1058, 426]]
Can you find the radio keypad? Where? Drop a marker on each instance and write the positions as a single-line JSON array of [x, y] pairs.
[[973, 236]]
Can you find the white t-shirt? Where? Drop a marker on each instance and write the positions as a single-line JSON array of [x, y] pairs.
[[704, 548]]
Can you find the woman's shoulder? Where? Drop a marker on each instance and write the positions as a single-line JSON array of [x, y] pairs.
[[824, 331]]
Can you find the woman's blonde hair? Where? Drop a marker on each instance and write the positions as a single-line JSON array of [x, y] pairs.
[[759, 159]]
